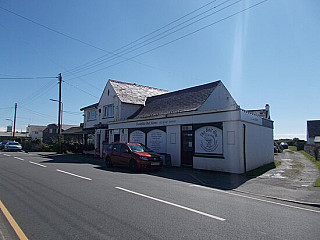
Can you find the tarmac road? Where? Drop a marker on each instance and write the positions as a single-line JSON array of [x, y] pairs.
[[75, 197]]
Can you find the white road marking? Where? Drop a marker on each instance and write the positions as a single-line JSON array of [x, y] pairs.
[[37, 164], [21, 159], [172, 204], [74, 175], [7, 155], [257, 199]]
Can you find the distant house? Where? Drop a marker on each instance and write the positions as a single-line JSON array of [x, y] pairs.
[[35, 132], [313, 132], [51, 132], [73, 134]]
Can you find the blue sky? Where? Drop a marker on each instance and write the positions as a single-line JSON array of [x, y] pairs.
[[267, 54]]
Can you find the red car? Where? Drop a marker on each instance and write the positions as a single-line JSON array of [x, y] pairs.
[[132, 155]]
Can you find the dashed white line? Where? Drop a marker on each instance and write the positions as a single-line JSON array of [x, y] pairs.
[[38, 164], [21, 159], [7, 155], [172, 204], [253, 198], [75, 175]]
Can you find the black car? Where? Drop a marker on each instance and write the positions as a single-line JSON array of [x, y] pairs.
[[2, 145]]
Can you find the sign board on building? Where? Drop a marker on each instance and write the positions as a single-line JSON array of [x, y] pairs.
[[208, 140], [157, 141], [138, 137]]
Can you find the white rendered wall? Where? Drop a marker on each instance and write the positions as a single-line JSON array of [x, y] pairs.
[[259, 145], [174, 144], [220, 98], [231, 161]]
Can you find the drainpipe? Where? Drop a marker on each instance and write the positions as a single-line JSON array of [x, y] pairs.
[[244, 148]]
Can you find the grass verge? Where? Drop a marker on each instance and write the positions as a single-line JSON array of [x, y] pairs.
[[317, 163], [261, 170]]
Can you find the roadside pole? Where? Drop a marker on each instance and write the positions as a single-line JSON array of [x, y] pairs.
[[15, 118], [60, 116]]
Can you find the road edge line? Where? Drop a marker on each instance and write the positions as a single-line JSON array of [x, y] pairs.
[[12, 222]]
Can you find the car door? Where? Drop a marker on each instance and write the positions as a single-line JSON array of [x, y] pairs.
[[115, 154], [125, 155]]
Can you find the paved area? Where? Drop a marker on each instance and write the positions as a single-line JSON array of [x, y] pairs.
[[293, 180]]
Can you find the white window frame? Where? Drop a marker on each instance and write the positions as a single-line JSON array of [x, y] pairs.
[[108, 111], [92, 115]]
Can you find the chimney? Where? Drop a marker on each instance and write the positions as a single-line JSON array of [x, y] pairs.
[[267, 111]]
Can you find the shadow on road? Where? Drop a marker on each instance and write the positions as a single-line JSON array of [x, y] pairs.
[[220, 180]]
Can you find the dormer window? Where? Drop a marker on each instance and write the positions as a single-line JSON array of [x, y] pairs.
[[108, 111]]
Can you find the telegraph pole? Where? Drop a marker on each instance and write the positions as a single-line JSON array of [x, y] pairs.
[[60, 114], [15, 118]]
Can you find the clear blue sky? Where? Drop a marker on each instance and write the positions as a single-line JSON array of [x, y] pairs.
[[267, 54]]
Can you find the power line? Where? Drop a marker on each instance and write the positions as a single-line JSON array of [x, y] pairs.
[[149, 34], [80, 89], [177, 39], [25, 78], [97, 62], [66, 35]]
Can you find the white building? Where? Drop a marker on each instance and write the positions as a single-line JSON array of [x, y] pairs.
[[202, 127], [35, 132]]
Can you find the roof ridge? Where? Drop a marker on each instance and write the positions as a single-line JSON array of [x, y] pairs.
[[138, 85], [186, 89]]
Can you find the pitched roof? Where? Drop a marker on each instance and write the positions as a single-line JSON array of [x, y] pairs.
[[184, 100], [90, 106], [37, 127], [73, 130], [313, 128], [134, 93]]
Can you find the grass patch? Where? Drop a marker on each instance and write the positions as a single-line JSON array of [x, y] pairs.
[[293, 148], [261, 170], [317, 163]]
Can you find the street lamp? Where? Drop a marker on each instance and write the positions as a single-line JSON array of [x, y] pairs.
[[59, 121], [8, 119]]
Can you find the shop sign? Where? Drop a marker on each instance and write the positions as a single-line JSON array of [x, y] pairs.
[[208, 140], [138, 137], [157, 141]]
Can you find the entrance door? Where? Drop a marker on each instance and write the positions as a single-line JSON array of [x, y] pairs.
[[187, 146]]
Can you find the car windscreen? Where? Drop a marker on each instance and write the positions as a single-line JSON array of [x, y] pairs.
[[13, 143], [137, 148]]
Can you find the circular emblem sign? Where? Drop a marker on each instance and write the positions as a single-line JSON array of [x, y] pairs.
[[208, 140]]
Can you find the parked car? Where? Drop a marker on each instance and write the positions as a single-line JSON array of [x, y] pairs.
[[2, 145], [12, 146], [284, 145], [132, 155]]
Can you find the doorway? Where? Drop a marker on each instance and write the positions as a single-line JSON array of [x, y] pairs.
[[187, 146]]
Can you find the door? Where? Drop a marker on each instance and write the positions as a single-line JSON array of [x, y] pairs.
[[187, 146]]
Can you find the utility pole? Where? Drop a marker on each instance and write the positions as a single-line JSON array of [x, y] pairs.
[[15, 118], [60, 114]]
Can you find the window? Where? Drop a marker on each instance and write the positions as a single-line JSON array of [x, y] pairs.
[[92, 115], [50, 130], [108, 111], [36, 132]]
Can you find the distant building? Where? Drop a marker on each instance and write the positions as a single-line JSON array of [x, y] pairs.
[[313, 132], [73, 134], [35, 132], [51, 132]]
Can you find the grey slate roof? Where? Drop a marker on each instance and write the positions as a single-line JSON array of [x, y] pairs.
[[73, 130], [313, 128], [90, 106], [134, 93], [184, 100]]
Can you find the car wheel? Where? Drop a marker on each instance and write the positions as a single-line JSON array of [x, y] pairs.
[[108, 162], [133, 165]]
